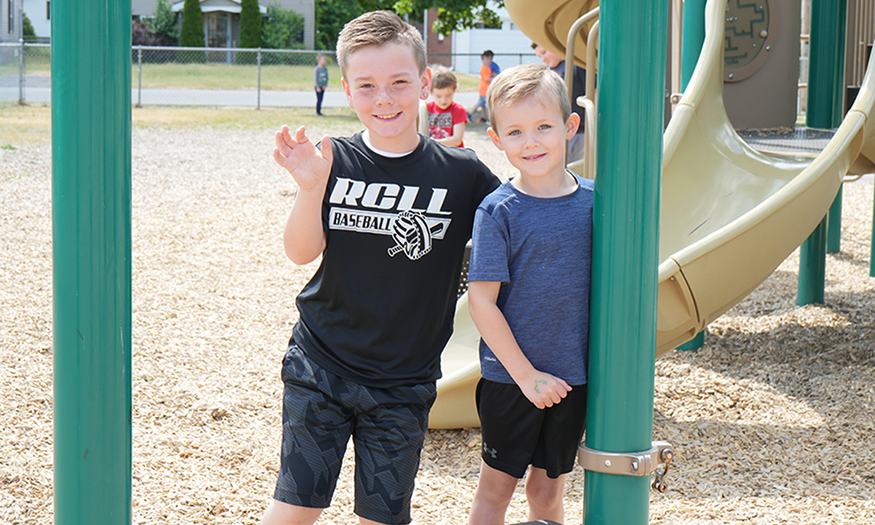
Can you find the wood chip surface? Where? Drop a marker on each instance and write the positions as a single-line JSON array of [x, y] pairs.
[[772, 421]]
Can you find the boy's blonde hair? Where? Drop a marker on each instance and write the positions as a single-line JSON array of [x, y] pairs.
[[377, 28], [443, 78], [518, 82]]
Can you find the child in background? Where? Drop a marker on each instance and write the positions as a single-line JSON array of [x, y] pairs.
[[488, 71], [529, 297], [320, 74], [446, 119], [389, 212]]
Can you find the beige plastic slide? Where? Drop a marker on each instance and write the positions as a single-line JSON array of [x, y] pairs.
[[729, 214]]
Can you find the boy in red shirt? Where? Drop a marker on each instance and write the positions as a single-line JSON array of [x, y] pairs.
[[446, 119]]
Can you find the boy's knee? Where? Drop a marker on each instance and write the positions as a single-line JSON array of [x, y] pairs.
[[545, 493]]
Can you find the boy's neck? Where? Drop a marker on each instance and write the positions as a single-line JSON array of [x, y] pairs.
[[551, 186], [366, 136]]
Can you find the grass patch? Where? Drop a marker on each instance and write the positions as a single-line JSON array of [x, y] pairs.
[[23, 125], [233, 76], [32, 124]]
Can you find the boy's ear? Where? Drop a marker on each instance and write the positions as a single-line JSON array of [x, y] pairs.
[[426, 84], [572, 125], [346, 90], [495, 138]]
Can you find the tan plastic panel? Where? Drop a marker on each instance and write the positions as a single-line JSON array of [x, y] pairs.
[[729, 214]]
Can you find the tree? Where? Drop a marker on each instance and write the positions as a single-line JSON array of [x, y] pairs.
[[331, 15], [27, 31], [250, 24], [283, 29], [162, 24], [453, 15], [192, 25]]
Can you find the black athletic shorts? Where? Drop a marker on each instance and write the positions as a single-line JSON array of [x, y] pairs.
[[320, 413], [517, 434]]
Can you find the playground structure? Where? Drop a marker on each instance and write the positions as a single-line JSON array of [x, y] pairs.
[[729, 216], [107, 454]]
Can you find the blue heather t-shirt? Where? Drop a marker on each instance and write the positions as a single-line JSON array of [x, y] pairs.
[[541, 251]]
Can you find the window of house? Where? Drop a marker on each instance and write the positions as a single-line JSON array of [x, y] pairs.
[[11, 10], [49, 10]]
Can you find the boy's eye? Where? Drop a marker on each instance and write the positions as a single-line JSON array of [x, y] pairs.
[[513, 132], [543, 127]]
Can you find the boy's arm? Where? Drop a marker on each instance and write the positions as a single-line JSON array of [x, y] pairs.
[[456, 138], [542, 389], [303, 236]]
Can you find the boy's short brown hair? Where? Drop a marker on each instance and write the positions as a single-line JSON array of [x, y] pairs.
[[442, 78], [377, 28], [518, 82]]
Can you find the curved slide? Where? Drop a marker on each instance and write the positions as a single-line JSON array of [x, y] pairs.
[[729, 214]]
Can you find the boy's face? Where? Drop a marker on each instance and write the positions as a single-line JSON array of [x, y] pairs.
[[443, 97], [532, 134], [549, 59], [486, 60], [322, 61], [384, 87]]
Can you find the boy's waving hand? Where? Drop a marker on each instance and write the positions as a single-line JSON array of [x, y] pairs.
[[309, 166]]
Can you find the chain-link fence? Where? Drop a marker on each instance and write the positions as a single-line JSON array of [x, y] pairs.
[[186, 76]]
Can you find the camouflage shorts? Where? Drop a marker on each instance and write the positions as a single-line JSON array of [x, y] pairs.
[[321, 411]]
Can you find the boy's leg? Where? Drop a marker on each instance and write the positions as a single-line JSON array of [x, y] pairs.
[[279, 513], [316, 429], [545, 496], [492, 496], [389, 434]]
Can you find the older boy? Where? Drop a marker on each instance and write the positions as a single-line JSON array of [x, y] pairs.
[[390, 213], [447, 119], [529, 297]]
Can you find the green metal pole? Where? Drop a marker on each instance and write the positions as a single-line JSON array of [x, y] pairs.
[[693, 36], [826, 90], [632, 55], [692, 39], [91, 232], [694, 343], [834, 225]]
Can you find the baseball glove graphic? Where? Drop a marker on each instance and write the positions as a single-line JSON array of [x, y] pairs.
[[412, 234]]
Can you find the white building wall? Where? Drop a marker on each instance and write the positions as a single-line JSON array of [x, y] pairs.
[[37, 13], [7, 33], [509, 44]]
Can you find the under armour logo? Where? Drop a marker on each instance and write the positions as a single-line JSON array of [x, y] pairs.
[[493, 453], [413, 235]]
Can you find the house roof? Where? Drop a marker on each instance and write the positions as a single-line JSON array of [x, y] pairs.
[[222, 6]]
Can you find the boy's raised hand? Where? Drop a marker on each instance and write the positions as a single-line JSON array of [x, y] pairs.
[[309, 166], [544, 390]]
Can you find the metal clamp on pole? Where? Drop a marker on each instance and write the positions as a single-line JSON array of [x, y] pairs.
[[630, 464]]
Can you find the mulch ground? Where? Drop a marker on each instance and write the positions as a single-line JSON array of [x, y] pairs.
[[772, 421]]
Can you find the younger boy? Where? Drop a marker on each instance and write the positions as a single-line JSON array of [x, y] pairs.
[[529, 297], [320, 77], [488, 71], [390, 213], [446, 119]]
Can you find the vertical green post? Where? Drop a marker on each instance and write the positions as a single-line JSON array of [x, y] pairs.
[[693, 37], [91, 235], [632, 55], [834, 225], [826, 90]]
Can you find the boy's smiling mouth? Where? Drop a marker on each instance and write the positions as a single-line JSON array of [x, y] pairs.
[[387, 117]]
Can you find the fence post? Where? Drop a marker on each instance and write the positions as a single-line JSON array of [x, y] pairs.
[[21, 73], [258, 59], [139, 76]]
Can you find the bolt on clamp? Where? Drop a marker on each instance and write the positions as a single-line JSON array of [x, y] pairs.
[[630, 464]]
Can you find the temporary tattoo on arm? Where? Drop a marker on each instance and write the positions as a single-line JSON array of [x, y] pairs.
[[536, 385]]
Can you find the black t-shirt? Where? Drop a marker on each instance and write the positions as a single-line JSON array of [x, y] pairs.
[[379, 310]]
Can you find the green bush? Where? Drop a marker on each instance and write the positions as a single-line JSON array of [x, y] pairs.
[[250, 24], [192, 34], [283, 29]]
